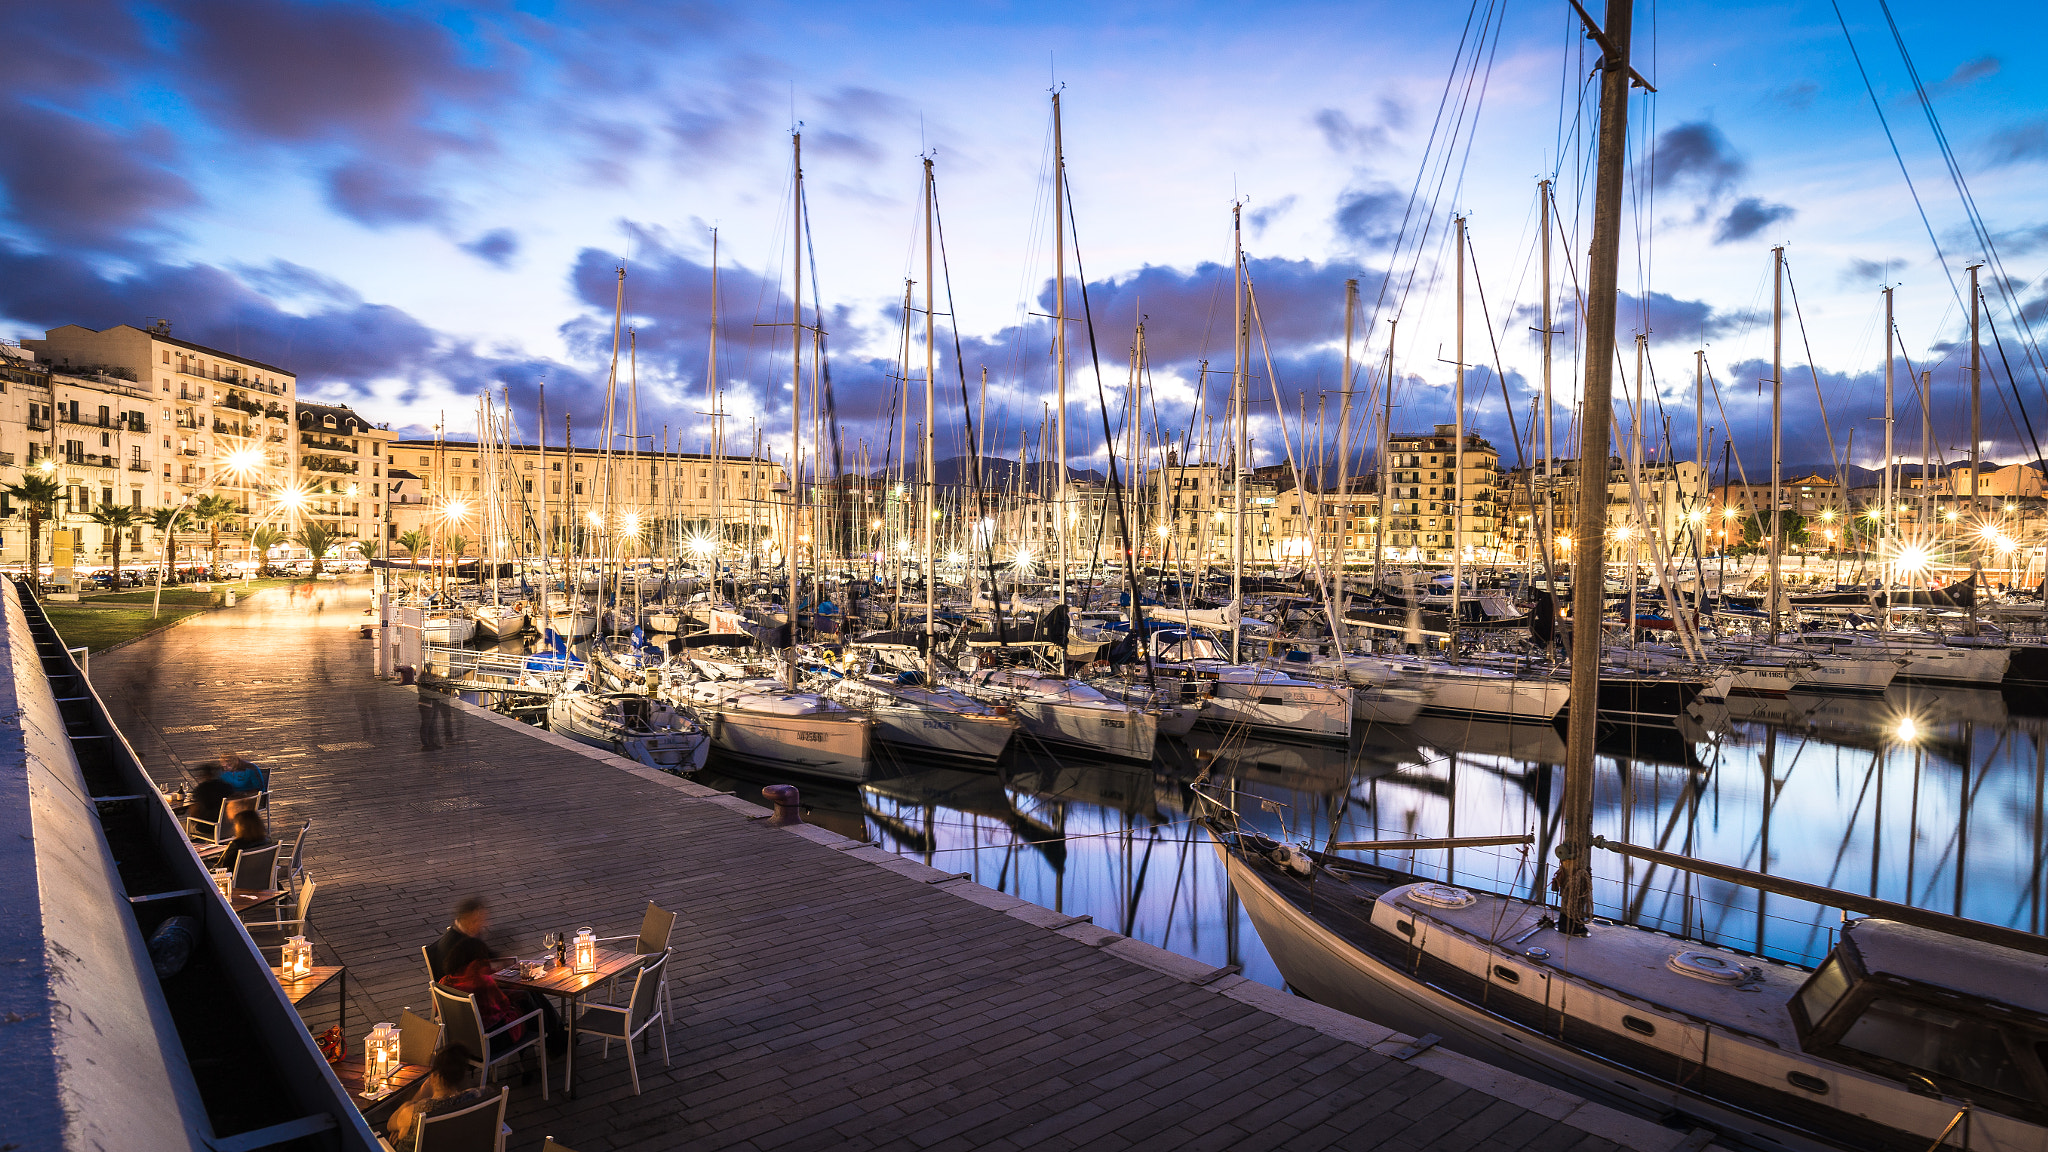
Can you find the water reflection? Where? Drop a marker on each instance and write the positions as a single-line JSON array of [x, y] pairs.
[[1928, 797]]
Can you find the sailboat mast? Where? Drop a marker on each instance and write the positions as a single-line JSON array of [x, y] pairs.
[[930, 439], [1379, 543], [1059, 232], [717, 425], [1976, 437], [1457, 457], [796, 386], [1575, 842], [1889, 489], [1346, 508], [1549, 445], [1777, 429], [1241, 340]]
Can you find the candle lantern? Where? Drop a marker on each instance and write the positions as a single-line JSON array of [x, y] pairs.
[[297, 960], [380, 1057], [584, 952], [222, 880]]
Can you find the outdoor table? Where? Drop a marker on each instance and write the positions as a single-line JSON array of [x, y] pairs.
[[350, 1072], [250, 899], [320, 977], [569, 985]]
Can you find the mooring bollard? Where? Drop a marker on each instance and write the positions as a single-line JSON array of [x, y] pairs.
[[789, 804]]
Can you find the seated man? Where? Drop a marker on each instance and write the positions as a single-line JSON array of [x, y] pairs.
[[207, 795], [464, 936]]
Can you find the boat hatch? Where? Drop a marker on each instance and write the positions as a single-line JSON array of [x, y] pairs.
[[1970, 1019]]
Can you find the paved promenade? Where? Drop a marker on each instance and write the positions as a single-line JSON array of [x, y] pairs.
[[827, 994]]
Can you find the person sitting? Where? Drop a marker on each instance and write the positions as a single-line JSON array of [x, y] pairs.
[[472, 920], [242, 775], [473, 978], [440, 1092], [249, 834], [207, 795]]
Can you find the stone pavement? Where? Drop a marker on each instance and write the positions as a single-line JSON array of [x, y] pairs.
[[827, 994]]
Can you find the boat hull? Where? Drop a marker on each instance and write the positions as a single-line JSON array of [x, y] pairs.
[[500, 625], [1292, 711], [935, 731], [1122, 734], [1504, 698], [832, 746]]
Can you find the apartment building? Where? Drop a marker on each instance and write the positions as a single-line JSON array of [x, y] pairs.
[[1671, 493], [200, 421], [1441, 500], [341, 480], [651, 495]]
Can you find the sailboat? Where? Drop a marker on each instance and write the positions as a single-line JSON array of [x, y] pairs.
[[1917, 1029], [632, 724]]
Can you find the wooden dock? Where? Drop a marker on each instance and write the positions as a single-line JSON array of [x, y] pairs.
[[827, 994]]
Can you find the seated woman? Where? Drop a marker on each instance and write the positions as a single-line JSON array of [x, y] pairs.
[[249, 833], [241, 775], [440, 1092], [204, 806]]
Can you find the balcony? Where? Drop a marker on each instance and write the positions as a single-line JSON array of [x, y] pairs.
[[328, 444], [138, 465], [188, 451], [39, 423], [329, 464], [84, 421], [135, 424], [90, 460]]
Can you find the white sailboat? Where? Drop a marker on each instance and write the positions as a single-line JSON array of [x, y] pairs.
[[631, 724]]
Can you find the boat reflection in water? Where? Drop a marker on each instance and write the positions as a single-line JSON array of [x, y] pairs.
[[1929, 797]]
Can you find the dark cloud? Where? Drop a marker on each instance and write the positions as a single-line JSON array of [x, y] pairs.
[[1370, 217], [1343, 134], [1965, 74], [2019, 144], [2022, 241], [1859, 274], [374, 194], [70, 181], [496, 247], [340, 347], [1797, 96], [1696, 155], [300, 72], [1748, 217], [1262, 217]]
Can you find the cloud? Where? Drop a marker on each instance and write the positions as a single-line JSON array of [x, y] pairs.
[[1262, 217], [496, 247], [374, 194], [2019, 144], [1370, 217], [1696, 154], [1345, 135], [1965, 74], [1665, 317], [70, 181], [1748, 217], [1797, 96], [1859, 274]]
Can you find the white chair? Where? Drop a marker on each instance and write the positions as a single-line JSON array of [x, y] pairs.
[[628, 1022], [292, 863], [477, 1128], [293, 912], [464, 1025]]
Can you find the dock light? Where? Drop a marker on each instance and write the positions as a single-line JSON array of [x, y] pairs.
[[455, 510], [223, 881], [1907, 729], [1162, 531], [243, 460], [1827, 515], [630, 522], [1913, 557], [1023, 559], [937, 514], [1624, 532], [596, 521], [956, 557], [700, 545], [296, 958], [875, 525], [903, 546], [1952, 516], [380, 1057], [1728, 513], [1697, 516], [2005, 543], [1988, 532], [1564, 543], [583, 953], [1876, 514], [48, 465], [355, 489]]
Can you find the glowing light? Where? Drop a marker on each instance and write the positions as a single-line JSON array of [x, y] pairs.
[[1023, 560], [1876, 514], [243, 460], [355, 489], [292, 499], [1564, 543], [1827, 515], [596, 521], [48, 465], [1907, 729], [701, 545], [956, 557], [1624, 532], [1697, 516], [902, 546], [875, 524], [1728, 513], [455, 510], [1953, 516], [1220, 517], [2005, 543], [1913, 558], [1988, 532], [1162, 531], [936, 514]]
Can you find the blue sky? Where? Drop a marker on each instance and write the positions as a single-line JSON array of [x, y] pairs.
[[408, 204]]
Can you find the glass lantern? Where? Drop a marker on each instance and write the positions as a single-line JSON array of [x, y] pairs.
[[583, 953], [223, 880], [297, 960], [380, 1058]]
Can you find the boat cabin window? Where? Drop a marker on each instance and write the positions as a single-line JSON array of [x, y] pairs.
[[1951, 1044], [1823, 990]]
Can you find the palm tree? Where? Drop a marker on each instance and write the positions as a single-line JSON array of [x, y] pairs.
[[215, 511], [316, 540], [414, 543], [263, 539], [169, 522], [36, 494], [117, 519]]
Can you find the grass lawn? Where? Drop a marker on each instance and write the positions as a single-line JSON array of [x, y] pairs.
[[101, 628], [183, 595]]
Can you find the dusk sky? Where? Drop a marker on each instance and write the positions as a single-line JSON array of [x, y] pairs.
[[408, 204]]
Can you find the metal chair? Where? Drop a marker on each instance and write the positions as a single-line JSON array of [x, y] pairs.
[[477, 1128], [627, 1023], [655, 929], [418, 1038], [293, 863], [198, 828], [256, 869], [464, 1026]]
